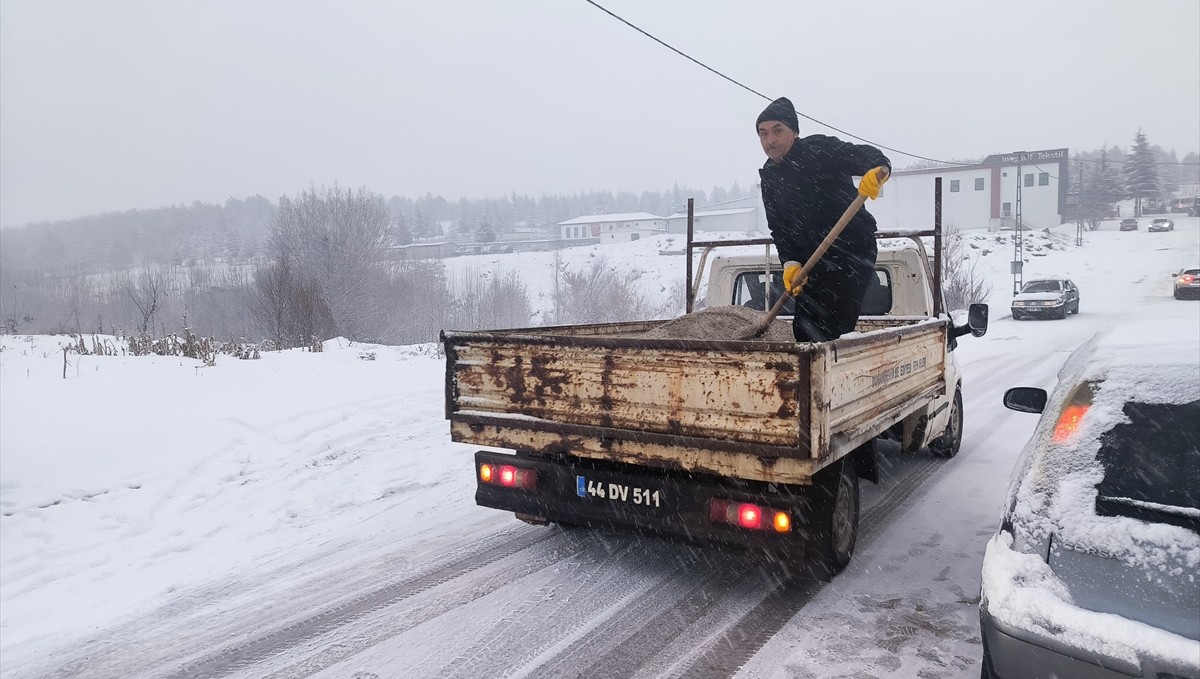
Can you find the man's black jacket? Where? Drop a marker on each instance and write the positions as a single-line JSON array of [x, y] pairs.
[[809, 189]]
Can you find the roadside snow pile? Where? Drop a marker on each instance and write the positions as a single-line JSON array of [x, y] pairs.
[[134, 477]]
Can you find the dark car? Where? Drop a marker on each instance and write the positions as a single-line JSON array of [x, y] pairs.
[[1092, 573], [1129, 225], [1187, 284], [1161, 225], [1046, 298]]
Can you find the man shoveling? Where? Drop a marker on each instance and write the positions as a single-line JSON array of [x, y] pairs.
[[806, 186]]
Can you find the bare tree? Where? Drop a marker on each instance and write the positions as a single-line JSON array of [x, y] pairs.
[[335, 241], [962, 282], [501, 301], [148, 294], [602, 295], [290, 311]]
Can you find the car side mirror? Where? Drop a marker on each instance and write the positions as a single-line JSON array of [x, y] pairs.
[[1025, 399]]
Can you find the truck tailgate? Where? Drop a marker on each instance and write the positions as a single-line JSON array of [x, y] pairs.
[[684, 388]]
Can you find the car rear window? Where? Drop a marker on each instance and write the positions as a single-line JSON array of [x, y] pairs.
[[1152, 465], [1043, 286]]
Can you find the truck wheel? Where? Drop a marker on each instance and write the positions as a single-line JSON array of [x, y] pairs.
[[948, 443], [835, 526]]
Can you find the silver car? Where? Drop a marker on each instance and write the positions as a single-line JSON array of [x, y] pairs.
[[1094, 570], [1046, 298]]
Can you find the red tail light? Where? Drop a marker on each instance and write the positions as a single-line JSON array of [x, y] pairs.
[[750, 516], [508, 476], [1187, 278]]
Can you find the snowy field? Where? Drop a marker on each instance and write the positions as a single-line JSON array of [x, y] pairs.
[[212, 504]]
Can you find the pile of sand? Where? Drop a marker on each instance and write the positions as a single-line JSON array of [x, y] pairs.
[[721, 323]]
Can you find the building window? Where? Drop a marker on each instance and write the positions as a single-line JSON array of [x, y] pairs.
[[1006, 210], [1044, 179], [979, 183], [1029, 179], [953, 186]]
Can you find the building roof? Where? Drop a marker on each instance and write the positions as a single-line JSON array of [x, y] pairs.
[[713, 213], [606, 219]]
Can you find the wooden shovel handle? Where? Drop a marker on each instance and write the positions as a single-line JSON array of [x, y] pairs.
[[761, 327]]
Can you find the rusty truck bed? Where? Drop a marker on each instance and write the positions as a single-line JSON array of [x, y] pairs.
[[766, 411]]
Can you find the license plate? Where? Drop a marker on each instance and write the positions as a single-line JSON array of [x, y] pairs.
[[617, 492]]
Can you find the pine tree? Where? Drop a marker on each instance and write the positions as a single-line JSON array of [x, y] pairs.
[[1141, 176]]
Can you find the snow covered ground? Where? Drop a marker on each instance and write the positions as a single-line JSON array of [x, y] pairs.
[[227, 499]]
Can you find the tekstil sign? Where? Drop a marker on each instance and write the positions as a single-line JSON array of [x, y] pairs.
[[1026, 157]]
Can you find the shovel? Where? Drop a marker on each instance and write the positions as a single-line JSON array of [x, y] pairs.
[[760, 327]]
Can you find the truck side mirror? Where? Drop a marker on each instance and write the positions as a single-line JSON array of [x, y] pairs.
[[977, 319], [1025, 399]]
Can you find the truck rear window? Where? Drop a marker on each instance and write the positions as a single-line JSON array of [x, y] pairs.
[[750, 292], [1152, 465]]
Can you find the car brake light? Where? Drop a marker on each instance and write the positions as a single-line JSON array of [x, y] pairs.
[[1186, 278]]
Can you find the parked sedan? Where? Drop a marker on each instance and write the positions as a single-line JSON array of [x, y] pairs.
[[1046, 298], [1161, 225], [1092, 573], [1187, 284], [1128, 225]]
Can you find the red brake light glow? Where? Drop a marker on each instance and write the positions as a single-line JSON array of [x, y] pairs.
[[1187, 278], [508, 476], [749, 516]]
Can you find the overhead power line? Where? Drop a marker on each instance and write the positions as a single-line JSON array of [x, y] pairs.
[[799, 113], [754, 91]]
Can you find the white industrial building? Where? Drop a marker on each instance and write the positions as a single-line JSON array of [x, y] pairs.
[[979, 196], [742, 214], [618, 228]]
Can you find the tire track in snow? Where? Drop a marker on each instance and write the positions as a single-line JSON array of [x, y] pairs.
[[247, 654]]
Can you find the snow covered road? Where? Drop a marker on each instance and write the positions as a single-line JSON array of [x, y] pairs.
[[307, 516]]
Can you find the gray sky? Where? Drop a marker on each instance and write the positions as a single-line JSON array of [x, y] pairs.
[[118, 105]]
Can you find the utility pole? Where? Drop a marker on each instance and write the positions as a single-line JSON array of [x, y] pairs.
[[1079, 222], [1018, 240]]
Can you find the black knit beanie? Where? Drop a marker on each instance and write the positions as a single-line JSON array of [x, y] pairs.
[[782, 110]]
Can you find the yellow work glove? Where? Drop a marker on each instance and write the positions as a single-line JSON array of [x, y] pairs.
[[872, 181], [793, 279]]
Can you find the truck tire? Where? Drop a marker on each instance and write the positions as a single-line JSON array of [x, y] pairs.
[[834, 528], [948, 443]]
